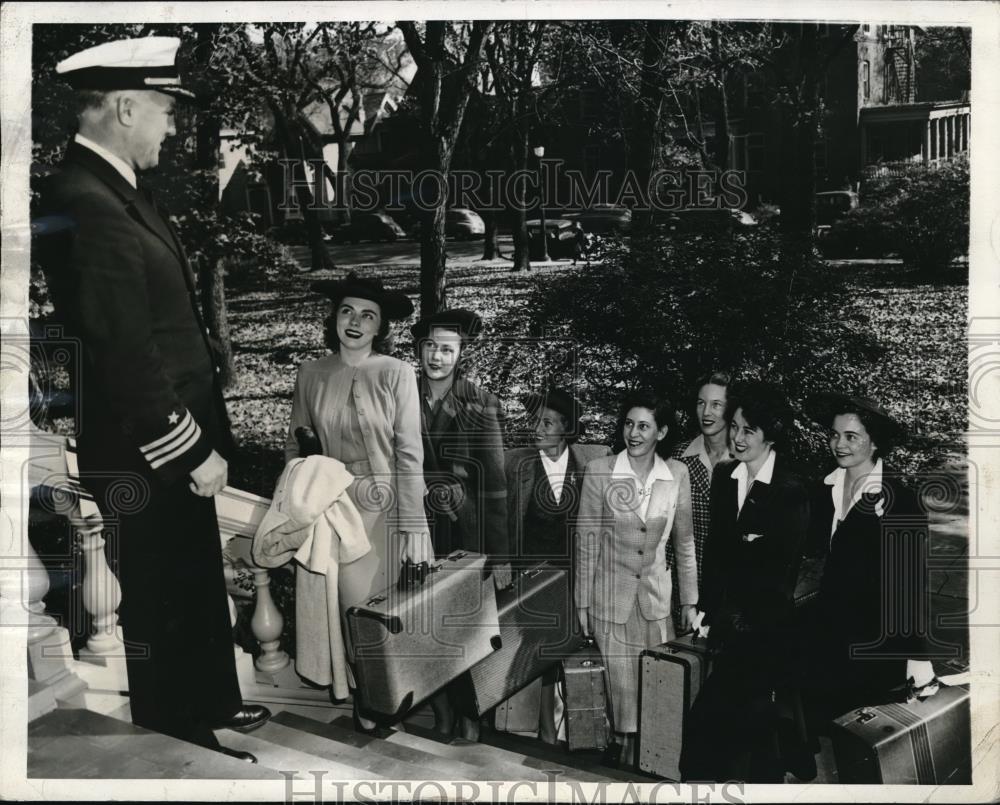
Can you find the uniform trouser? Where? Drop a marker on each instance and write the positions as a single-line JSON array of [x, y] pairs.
[[174, 614]]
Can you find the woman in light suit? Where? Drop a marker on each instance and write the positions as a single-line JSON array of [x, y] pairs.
[[360, 407], [631, 505]]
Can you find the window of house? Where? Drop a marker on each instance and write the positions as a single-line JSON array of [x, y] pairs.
[[866, 29], [591, 160], [820, 155], [866, 79], [590, 105], [755, 151]]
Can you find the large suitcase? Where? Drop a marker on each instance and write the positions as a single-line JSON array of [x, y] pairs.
[[537, 630], [922, 743], [585, 701], [409, 643], [520, 712], [670, 677]]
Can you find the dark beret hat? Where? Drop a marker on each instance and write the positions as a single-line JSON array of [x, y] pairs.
[[395, 305], [467, 323]]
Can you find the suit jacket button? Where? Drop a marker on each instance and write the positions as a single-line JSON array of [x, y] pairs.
[[640, 553], [643, 529], [638, 575], [218, 370]]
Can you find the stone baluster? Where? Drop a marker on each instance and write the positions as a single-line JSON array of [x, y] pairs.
[[267, 623], [102, 593], [36, 587]]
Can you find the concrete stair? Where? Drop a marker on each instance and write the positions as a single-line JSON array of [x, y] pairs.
[[297, 743]]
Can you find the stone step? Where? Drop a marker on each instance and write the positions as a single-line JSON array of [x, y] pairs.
[[496, 764], [73, 743], [348, 743], [277, 747]]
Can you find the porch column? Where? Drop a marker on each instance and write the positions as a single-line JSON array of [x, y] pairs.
[[926, 145], [951, 136]]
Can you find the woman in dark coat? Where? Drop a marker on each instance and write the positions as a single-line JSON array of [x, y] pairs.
[[874, 598], [466, 502], [758, 523]]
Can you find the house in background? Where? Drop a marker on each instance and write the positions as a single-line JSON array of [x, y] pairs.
[[872, 119]]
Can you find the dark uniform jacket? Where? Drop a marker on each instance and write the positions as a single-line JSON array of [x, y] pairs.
[[528, 488], [463, 470], [874, 596], [151, 411], [121, 284], [749, 581]]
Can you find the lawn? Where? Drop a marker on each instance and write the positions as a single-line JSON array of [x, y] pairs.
[[919, 371]]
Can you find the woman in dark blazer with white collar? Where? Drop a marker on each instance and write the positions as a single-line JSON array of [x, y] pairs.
[[874, 596], [631, 505], [758, 524]]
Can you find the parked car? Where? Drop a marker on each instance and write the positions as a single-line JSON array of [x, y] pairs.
[[831, 206], [463, 224], [374, 226], [560, 238], [459, 223], [603, 219], [725, 219]]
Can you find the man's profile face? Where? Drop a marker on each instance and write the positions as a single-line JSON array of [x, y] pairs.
[[152, 122]]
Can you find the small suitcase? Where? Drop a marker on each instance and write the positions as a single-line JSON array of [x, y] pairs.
[[585, 699], [922, 743], [670, 677], [537, 630], [519, 713], [409, 643]]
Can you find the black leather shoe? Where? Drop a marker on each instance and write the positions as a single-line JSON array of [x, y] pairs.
[[238, 754], [247, 718]]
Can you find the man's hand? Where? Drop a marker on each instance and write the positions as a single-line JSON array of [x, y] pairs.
[[209, 478], [502, 576]]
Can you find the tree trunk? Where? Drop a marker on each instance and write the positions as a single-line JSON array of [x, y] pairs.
[[491, 244], [646, 137], [720, 153], [211, 269], [519, 217], [433, 258], [343, 183]]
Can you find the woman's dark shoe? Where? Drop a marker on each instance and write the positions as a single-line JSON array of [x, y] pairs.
[[363, 725], [612, 757]]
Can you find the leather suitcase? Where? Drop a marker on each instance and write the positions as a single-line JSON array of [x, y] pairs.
[[585, 699], [537, 630], [670, 677], [519, 713], [410, 643], [922, 743]]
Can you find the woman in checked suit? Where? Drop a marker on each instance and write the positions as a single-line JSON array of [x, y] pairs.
[[631, 505]]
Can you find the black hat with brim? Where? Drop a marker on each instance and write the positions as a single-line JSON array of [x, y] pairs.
[[465, 322], [395, 305], [560, 401], [823, 406]]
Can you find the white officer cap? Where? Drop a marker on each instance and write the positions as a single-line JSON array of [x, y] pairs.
[[148, 63]]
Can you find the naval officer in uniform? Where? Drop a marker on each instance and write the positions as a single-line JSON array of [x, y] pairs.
[[153, 434]]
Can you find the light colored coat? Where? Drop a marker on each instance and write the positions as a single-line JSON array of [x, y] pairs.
[[313, 520], [619, 556]]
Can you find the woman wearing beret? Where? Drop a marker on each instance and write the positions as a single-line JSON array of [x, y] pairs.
[[874, 598], [466, 500], [363, 408], [631, 505], [757, 528]]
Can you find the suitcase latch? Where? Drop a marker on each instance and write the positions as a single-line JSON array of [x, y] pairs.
[[378, 599], [586, 663], [454, 557], [865, 715]]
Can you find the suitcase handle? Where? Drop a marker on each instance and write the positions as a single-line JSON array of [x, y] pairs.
[[865, 715]]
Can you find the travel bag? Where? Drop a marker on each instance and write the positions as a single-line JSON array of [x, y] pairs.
[[585, 701], [408, 643], [670, 677]]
